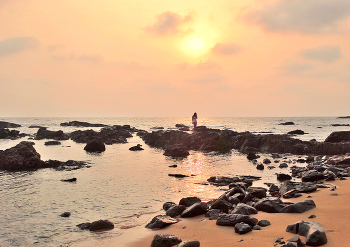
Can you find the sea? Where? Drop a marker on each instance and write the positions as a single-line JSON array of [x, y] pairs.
[[125, 187]]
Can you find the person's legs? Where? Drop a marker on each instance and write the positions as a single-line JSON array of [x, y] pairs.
[[195, 125]]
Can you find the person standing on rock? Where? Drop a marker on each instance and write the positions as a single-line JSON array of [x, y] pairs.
[[194, 120]]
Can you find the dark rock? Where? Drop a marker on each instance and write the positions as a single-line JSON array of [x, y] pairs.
[[180, 125], [266, 161], [168, 205], [43, 133], [82, 124], [36, 127], [176, 151], [256, 227], [312, 175], [338, 136], [252, 156], [10, 134], [312, 216], [173, 166], [244, 209], [84, 226], [233, 219], [242, 228], [258, 192], [296, 132], [95, 145], [136, 148], [178, 175], [108, 135], [69, 180], [65, 214], [287, 123], [313, 231], [165, 240], [23, 156], [269, 205], [67, 166], [213, 214], [52, 143], [260, 167], [306, 187], [299, 207], [184, 128], [192, 243], [283, 165], [189, 201], [160, 221], [157, 128], [175, 210], [97, 225], [4, 125], [282, 176], [222, 205], [264, 223], [194, 210]]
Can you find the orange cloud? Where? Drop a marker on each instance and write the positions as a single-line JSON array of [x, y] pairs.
[[17, 44], [226, 49]]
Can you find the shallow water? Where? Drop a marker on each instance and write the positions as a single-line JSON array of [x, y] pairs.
[[121, 185]]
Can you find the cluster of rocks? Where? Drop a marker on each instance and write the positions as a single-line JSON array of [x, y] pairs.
[[23, 156], [10, 134], [82, 124], [168, 240], [43, 133], [4, 125], [96, 225]]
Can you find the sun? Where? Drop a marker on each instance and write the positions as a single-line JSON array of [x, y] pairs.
[[196, 44]]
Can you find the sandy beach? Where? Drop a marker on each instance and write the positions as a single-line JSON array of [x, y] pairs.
[[331, 212]]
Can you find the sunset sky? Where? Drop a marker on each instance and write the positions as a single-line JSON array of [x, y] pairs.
[[225, 58]]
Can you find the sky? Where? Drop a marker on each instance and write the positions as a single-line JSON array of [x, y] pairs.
[[223, 58]]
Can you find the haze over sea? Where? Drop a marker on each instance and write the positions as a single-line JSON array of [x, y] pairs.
[[122, 186]]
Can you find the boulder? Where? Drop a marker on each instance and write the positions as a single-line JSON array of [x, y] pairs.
[[269, 205], [258, 192], [51, 143], [10, 134], [296, 132], [176, 151], [282, 176], [175, 210], [266, 161], [260, 166], [287, 123], [165, 240], [65, 214], [69, 180], [244, 209], [82, 124], [306, 187], [264, 223], [136, 148], [168, 205], [252, 156], [222, 205], [242, 228], [97, 225], [338, 136], [194, 210], [313, 231], [213, 214], [233, 219], [43, 133], [108, 135], [8, 125], [189, 201], [160, 221], [299, 207], [177, 175], [191, 243], [95, 145], [311, 176]]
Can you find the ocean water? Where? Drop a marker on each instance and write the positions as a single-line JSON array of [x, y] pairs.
[[122, 186]]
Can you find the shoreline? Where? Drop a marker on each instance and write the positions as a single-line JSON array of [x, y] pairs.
[[331, 212]]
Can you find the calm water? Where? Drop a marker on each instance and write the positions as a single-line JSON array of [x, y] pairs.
[[121, 185]]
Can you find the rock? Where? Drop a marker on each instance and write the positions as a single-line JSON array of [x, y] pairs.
[[287, 123], [282, 176], [108, 135], [189, 201], [184, 128], [157, 128], [23, 156], [258, 192], [10, 134], [244, 209], [338, 136], [176, 151], [192, 243], [84, 226], [50, 143], [65, 214], [233, 219], [97, 225], [313, 231], [312, 175], [283, 165], [95, 146], [4, 125], [168, 205], [43, 133], [266, 161], [213, 214], [242, 228], [264, 223], [36, 127], [194, 210], [82, 124], [65, 166], [160, 221], [306, 187], [256, 227], [180, 125], [222, 205], [252, 156], [296, 132], [69, 180], [269, 205], [175, 210], [260, 167], [136, 148], [178, 175], [165, 240], [299, 207]]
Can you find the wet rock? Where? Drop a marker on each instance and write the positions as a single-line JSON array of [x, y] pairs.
[[168, 205], [95, 146], [157, 128], [175, 210], [266, 161], [312, 175], [192, 243], [287, 123], [269, 205], [108, 135], [9, 125], [213, 214], [282, 176], [258, 192], [313, 231], [242, 228], [165, 240], [84, 226], [23, 156], [222, 205], [43, 133], [338, 136], [69, 180], [50, 143], [11, 134], [82, 124], [69, 165], [233, 219], [264, 223], [177, 175], [189, 201], [194, 210], [252, 156], [65, 214], [97, 225], [180, 125], [160, 221], [176, 151], [296, 132], [299, 207], [260, 166], [283, 165], [136, 148], [244, 209], [306, 187]]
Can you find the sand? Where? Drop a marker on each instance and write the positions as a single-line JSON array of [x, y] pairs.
[[332, 212]]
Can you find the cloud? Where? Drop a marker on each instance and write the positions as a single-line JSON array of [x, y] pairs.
[[311, 16], [169, 23], [296, 69], [84, 57], [17, 45], [226, 49], [325, 54], [206, 65], [208, 79]]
